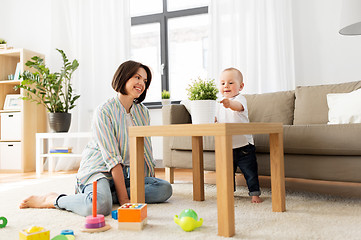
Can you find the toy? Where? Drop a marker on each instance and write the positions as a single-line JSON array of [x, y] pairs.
[[95, 222], [63, 237], [4, 222], [115, 214], [188, 220], [67, 232], [34, 233], [132, 216]]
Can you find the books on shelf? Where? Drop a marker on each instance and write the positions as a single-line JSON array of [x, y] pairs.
[[61, 150]]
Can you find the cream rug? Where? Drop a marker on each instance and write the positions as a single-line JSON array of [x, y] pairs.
[[308, 216]]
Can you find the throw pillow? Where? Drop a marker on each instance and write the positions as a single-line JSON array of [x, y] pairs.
[[344, 107]]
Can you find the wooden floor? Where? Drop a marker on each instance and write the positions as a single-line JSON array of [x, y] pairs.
[[183, 175]]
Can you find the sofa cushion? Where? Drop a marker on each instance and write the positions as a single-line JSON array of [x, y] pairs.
[[311, 104], [344, 107], [317, 139], [271, 107]]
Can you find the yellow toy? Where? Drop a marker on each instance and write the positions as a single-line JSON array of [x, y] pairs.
[[132, 216], [188, 220], [34, 233]]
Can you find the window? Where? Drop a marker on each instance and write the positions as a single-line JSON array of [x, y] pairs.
[[171, 37]]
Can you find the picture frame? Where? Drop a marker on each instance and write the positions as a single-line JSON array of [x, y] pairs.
[[17, 72], [12, 102]]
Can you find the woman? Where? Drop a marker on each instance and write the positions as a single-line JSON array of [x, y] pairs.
[[106, 157]]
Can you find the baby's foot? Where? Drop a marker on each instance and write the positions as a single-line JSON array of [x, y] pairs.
[[256, 199], [44, 201]]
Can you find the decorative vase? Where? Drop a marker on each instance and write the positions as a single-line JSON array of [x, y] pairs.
[[59, 121], [166, 102], [203, 111]]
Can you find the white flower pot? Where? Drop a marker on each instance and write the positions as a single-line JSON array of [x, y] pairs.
[[165, 102], [203, 111]]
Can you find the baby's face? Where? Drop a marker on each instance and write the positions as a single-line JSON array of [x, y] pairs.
[[230, 84]]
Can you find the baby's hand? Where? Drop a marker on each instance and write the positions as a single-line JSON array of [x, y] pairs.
[[226, 103]]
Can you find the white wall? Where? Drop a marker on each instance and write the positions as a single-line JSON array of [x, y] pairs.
[[322, 55], [26, 24]]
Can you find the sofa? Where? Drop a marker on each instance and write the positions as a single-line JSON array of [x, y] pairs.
[[313, 149]]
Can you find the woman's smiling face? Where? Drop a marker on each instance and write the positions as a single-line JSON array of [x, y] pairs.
[[135, 86]]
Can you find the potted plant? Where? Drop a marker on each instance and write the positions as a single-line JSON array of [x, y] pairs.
[[2, 44], [165, 98], [52, 90], [203, 96]]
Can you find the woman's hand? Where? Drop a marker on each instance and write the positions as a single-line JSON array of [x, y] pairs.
[[118, 177]]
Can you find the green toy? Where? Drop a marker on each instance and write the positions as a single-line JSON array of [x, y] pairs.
[[188, 220], [3, 221]]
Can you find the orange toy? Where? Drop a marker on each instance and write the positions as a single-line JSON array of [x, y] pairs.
[[132, 216]]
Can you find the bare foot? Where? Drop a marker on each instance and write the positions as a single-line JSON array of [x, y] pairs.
[[256, 199], [44, 201]]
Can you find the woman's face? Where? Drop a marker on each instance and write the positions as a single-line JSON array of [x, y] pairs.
[[135, 86]]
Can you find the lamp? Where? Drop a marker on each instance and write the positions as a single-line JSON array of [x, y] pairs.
[[351, 17]]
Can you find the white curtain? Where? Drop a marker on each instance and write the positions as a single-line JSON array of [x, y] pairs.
[[256, 37], [97, 34]]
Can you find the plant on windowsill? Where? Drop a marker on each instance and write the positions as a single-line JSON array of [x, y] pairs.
[[203, 95], [52, 90], [165, 98], [2, 44]]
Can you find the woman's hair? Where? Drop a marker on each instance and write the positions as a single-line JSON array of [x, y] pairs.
[[125, 72]]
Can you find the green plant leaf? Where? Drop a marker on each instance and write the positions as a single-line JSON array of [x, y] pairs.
[[202, 90]]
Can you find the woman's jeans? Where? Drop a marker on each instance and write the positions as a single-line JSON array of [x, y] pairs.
[[156, 191], [245, 159]]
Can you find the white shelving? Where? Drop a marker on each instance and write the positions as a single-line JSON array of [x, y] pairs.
[[42, 152]]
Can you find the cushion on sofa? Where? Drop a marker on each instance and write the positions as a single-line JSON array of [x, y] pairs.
[[344, 108], [271, 107], [317, 139], [311, 104]]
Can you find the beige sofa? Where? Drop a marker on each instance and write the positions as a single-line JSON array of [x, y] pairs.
[[313, 149]]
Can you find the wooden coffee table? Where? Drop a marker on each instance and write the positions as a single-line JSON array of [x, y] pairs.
[[224, 163]]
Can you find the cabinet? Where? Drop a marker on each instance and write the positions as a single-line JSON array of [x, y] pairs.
[[18, 126]]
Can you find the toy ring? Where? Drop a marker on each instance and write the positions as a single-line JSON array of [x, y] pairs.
[[4, 222]]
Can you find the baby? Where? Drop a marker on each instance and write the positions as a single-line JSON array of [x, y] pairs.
[[233, 109]]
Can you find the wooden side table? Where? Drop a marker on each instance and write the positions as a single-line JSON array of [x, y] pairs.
[[40, 143], [224, 163]]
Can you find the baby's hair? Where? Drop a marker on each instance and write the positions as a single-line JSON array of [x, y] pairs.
[[126, 71], [239, 74]]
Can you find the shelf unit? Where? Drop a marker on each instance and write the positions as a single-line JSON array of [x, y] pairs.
[[33, 117], [44, 142]]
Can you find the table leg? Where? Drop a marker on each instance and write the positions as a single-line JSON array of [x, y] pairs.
[[224, 180], [136, 146], [198, 173], [277, 172]]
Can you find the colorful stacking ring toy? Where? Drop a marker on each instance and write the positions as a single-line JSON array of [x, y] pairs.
[[95, 222]]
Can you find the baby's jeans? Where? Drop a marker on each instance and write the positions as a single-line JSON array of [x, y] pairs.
[[245, 158]]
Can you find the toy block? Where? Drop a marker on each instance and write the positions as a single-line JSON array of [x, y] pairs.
[[34, 233], [115, 214], [137, 226], [132, 212]]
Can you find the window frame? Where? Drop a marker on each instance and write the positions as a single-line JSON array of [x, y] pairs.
[[162, 19]]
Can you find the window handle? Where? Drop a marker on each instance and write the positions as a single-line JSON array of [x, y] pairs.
[[162, 69]]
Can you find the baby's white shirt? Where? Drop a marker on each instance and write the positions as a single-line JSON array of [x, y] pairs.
[[227, 115]]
